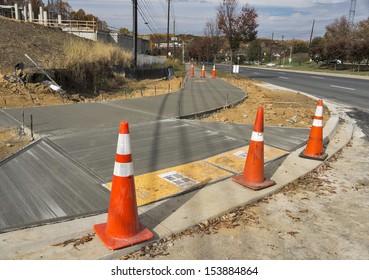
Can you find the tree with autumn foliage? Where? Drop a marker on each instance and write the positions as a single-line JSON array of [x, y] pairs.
[[237, 26]]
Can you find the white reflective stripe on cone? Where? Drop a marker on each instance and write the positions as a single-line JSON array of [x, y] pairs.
[[318, 123], [319, 111], [123, 169], [257, 136], [124, 145]]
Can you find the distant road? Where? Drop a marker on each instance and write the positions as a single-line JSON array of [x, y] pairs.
[[352, 92]]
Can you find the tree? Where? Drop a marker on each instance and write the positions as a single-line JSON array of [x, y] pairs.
[[338, 29], [254, 51], [299, 46], [212, 33], [317, 52], [124, 31], [198, 49], [236, 26], [336, 49], [359, 48], [337, 38], [82, 16]]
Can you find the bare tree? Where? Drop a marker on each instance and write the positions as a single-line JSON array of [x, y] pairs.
[[237, 26], [212, 32]]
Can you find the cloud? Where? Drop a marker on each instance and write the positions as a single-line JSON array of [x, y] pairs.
[[290, 18]]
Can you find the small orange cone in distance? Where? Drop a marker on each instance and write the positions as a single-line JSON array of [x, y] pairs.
[[214, 72], [253, 174], [122, 228], [314, 147], [192, 71], [203, 71]]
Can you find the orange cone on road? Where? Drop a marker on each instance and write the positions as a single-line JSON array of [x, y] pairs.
[[192, 71], [203, 71], [214, 72], [122, 228], [253, 174], [314, 148]]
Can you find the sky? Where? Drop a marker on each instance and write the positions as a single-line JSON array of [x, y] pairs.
[[290, 19]]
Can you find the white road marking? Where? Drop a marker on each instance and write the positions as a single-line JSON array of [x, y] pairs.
[[342, 87], [316, 77], [284, 78]]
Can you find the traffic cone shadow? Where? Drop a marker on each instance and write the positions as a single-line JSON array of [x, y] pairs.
[[314, 148], [253, 174], [122, 228]]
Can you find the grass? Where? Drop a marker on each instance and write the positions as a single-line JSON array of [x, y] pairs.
[[82, 51], [313, 67], [89, 65]]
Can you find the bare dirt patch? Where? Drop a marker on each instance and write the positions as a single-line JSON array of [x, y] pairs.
[[16, 95], [281, 107], [11, 141]]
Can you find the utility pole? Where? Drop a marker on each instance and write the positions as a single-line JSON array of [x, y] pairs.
[[290, 59], [284, 52], [174, 41], [60, 7], [168, 28], [134, 49], [271, 48], [311, 34]]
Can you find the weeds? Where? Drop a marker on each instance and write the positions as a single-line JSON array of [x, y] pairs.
[[90, 64]]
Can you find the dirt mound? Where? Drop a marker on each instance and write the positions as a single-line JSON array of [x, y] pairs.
[[43, 44]]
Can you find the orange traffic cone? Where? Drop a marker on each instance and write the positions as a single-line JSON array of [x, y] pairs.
[[192, 71], [203, 71], [122, 228], [314, 148], [214, 72], [253, 174]]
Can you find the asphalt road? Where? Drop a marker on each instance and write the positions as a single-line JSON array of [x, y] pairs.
[[352, 92]]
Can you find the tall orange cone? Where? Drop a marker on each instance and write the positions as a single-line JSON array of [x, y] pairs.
[[314, 147], [253, 174], [203, 71], [192, 71], [122, 228], [214, 72]]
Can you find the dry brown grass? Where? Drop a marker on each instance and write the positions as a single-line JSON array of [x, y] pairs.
[[90, 65], [81, 52]]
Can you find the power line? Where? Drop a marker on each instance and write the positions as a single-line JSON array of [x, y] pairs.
[[151, 13], [146, 22]]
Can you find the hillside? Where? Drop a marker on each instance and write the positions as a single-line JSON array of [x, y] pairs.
[[42, 44], [46, 46]]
